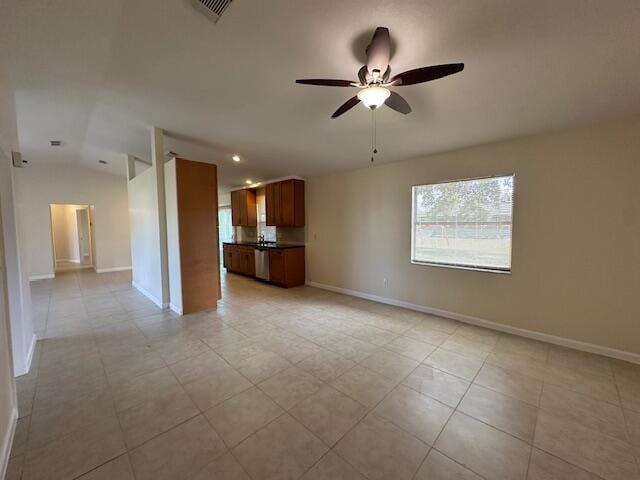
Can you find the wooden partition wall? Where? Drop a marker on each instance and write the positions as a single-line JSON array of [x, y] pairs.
[[193, 186]]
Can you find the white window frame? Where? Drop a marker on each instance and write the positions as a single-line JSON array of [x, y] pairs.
[[477, 268]]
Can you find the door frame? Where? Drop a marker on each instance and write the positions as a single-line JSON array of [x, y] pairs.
[[91, 232], [87, 221]]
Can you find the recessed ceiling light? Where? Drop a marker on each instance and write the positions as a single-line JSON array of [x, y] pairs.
[[236, 158], [248, 182], [55, 143]]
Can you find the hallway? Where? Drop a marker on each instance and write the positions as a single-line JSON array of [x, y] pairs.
[[305, 383]]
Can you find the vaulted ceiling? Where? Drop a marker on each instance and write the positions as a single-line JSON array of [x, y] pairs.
[[97, 74]]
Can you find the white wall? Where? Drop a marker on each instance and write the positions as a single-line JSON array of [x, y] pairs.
[[145, 235], [19, 292], [8, 402], [38, 186], [16, 331], [576, 235], [64, 224], [23, 338], [173, 236]]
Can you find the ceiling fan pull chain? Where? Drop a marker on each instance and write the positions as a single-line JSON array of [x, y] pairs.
[[375, 132], [374, 136]]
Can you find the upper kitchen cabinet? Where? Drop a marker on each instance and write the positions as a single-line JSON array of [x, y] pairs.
[[284, 202], [243, 208]]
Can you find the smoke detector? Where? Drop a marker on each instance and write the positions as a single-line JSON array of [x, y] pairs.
[[212, 8]]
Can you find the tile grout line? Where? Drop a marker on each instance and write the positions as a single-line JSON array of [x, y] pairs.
[[634, 449], [534, 447], [451, 416], [290, 324], [115, 413], [372, 409]]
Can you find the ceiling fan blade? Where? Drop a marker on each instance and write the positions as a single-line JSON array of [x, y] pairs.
[[326, 82], [397, 103], [348, 105], [387, 74], [426, 74], [379, 51], [362, 75]]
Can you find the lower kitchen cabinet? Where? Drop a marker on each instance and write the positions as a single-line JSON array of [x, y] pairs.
[[227, 256], [239, 259], [276, 267], [246, 263], [286, 267]]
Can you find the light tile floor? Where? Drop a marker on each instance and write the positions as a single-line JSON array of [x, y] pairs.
[[303, 383]]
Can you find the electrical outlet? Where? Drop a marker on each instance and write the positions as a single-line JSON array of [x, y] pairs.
[[386, 282]]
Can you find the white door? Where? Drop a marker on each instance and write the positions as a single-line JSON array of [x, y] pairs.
[[84, 235]]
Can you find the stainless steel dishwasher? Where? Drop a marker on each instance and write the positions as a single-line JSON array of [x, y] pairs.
[[262, 263]]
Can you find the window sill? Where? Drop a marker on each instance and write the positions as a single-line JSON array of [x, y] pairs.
[[462, 267]]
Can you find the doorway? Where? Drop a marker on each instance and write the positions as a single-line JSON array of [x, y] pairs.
[[72, 237]]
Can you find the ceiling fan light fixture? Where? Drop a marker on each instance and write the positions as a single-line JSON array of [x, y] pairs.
[[374, 96]]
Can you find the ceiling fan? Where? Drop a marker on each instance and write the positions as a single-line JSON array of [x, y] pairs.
[[374, 78]]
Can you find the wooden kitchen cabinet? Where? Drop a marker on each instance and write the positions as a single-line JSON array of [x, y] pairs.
[[246, 261], [227, 255], [272, 204], [286, 267], [284, 203], [239, 259], [243, 208], [276, 267]]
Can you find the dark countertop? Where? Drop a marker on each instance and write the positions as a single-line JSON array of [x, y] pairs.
[[271, 245]]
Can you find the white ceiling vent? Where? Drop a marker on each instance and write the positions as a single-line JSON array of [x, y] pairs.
[[212, 8]]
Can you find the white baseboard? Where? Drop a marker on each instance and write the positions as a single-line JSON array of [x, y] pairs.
[[175, 309], [544, 337], [70, 260], [7, 442], [149, 295], [29, 359], [45, 276], [113, 269]]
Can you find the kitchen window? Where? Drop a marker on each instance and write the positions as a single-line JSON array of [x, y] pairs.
[[225, 228], [269, 232], [463, 224]]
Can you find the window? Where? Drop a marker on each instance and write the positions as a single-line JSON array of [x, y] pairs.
[[269, 232], [225, 228], [465, 224]]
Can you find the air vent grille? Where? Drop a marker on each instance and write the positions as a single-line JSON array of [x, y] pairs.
[[213, 8]]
